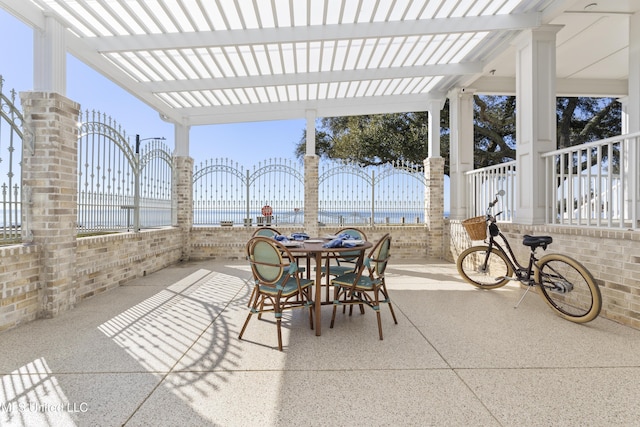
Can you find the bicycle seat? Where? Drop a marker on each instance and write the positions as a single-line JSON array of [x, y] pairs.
[[535, 242]]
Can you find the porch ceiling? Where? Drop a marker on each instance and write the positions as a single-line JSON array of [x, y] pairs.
[[219, 61]]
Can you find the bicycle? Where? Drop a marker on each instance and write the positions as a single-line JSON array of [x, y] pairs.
[[564, 284]]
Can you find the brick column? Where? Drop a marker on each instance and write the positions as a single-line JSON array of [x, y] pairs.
[[311, 195], [434, 210], [183, 200], [50, 193]]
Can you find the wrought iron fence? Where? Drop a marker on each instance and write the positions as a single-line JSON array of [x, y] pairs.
[[10, 160], [121, 186], [350, 194], [225, 193]]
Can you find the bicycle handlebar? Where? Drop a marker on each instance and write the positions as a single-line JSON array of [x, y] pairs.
[[493, 203]]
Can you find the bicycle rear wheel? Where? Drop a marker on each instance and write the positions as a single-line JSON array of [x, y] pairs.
[[484, 269], [568, 288]]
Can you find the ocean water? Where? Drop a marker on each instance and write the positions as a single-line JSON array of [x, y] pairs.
[[116, 218]]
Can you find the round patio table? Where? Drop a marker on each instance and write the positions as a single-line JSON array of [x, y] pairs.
[[314, 249]]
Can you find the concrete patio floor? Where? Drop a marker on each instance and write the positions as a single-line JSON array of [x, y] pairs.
[[163, 351]]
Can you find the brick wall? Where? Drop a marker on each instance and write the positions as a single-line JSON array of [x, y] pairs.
[[103, 263], [49, 178], [409, 241], [19, 285], [106, 262], [612, 257]]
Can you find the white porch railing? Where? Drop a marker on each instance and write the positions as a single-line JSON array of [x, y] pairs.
[[595, 184], [590, 185], [483, 184]]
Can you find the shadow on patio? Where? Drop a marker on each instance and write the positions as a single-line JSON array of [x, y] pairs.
[[163, 350]]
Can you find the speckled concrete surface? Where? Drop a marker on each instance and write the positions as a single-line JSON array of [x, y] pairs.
[[163, 351]]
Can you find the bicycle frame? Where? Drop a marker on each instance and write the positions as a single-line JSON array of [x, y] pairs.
[[565, 284], [523, 274]]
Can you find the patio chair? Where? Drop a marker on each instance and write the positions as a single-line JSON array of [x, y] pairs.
[[367, 285], [266, 231], [345, 262], [270, 232], [278, 282]]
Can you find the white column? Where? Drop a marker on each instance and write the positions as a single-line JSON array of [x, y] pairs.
[[633, 117], [434, 127], [461, 144], [633, 110], [50, 57], [624, 119], [535, 119], [181, 136]]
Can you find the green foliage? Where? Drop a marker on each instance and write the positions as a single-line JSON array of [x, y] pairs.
[[494, 129], [372, 139], [583, 120], [378, 139]]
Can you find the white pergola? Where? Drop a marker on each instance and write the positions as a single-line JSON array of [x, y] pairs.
[[203, 62]]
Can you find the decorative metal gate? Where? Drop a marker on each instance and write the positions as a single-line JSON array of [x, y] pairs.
[[224, 193], [121, 186], [392, 193], [10, 142]]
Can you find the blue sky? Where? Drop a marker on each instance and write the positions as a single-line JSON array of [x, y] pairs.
[[246, 143]]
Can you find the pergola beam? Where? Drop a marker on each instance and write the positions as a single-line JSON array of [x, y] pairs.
[[323, 108], [314, 77], [247, 37]]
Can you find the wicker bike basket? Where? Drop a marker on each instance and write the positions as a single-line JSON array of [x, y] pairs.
[[476, 227]]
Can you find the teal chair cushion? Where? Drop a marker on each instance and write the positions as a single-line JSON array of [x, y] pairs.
[[338, 270], [289, 288], [365, 283]]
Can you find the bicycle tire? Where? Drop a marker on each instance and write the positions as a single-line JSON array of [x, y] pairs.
[[568, 288], [469, 266]]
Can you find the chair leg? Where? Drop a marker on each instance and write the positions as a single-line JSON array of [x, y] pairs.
[[261, 309], [277, 310], [376, 298], [351, 298], [327, 295], [392, 313], [246, 322], [386, 296], [253, 310], [309, 299], [253, 295], [336, 294], [278, 322]]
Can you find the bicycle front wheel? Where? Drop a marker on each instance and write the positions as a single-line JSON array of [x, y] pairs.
[[568, 288], [484, 269]]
